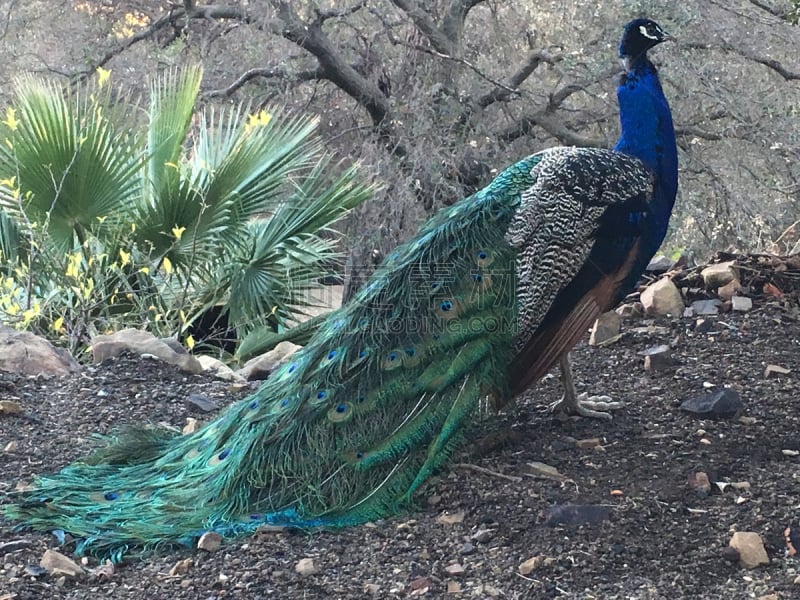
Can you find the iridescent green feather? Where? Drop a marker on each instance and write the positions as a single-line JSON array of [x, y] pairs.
[[344, 433]]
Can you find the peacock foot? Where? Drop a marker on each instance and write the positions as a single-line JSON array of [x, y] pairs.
[[584, 405]]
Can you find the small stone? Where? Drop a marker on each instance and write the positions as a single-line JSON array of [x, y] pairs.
[[11, 447], [706, 307], [605, 329], [530, 565], [658, 358], [191, 426], [662, 298], [721, 404], [730, 554], [751, 549], [790, 452], [451, 518], [372, 588], [420, 585], [57, 564], [306, 567], [181, 567], [797, 580], [617, 493], [588, 443], [202, 402], [699, 481], [455, 570], [467, 549], [210, 541], [482, 536], [768, 597], [729, 290], [702, 326], [453, 587], [659, 264], [718, 275], [775, 370], [576, 514], [222, 578], [9, 407], [741, 304], [105, 571], [34, 571], [631, 310]]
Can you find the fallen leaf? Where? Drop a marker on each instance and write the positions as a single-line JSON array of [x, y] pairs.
[[539, 469]]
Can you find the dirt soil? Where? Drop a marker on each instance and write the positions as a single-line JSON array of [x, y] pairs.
[[662, 538]]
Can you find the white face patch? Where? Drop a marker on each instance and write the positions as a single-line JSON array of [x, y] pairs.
[[643, 30]]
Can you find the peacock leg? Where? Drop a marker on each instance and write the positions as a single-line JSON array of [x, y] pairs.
[[583, 405]]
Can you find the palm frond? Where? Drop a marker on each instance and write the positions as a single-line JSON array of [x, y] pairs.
[[173, 95], [72, 163]]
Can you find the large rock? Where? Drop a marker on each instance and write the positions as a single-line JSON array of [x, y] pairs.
[[27, 354], [662, 298], [219, 369], [141, 342], [262, 366]]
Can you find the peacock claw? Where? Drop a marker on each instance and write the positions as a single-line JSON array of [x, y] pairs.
[[590, 407]]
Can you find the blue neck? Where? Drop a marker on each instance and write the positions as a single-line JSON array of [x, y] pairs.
[[648, 134]]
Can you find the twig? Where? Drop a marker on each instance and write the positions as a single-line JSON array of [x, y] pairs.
[[486, 471]]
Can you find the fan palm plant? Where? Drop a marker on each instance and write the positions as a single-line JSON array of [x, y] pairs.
[[114, 215]]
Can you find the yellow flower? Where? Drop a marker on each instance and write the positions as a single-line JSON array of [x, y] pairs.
[[9, 183], [11, 119], [88, 288], [144, 270], [58, 325], [167, 264], [124, 257], [102, 76], [73, 265], [262, 119], [178, 232], [189, 342], [182, 316]]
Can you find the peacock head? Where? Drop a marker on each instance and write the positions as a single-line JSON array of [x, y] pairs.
[[639, 36]]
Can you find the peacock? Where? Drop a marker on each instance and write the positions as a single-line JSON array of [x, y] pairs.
[[489, 295]]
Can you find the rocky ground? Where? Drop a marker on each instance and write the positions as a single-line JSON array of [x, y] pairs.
[[655, 531]]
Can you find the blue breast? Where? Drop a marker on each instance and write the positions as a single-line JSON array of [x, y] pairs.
[[648, 134]]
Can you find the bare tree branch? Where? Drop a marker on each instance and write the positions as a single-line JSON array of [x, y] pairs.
[[266, 73], [323, 14], [453, 23], [551, 125], [501, 93], [422, 20], [336, 69], [770, 63]]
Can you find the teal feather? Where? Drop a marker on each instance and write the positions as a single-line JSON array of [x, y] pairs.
[[351, 427], [343, 433]]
